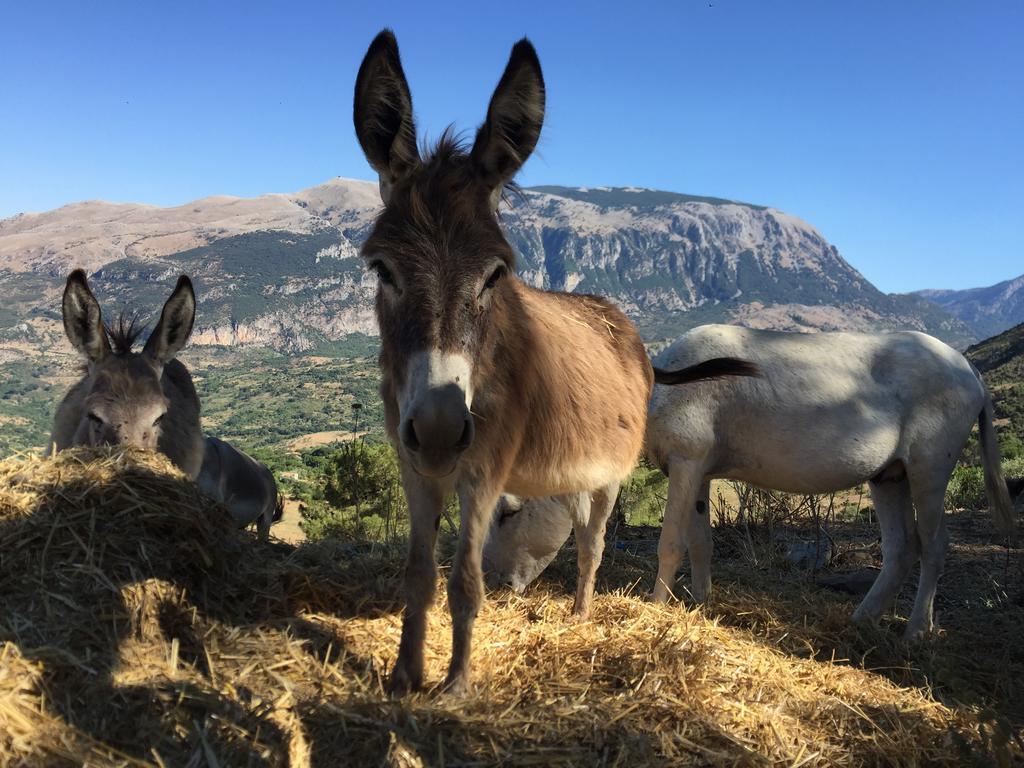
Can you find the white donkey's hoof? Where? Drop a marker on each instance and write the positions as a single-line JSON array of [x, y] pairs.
[[916, 632], [865, 617]]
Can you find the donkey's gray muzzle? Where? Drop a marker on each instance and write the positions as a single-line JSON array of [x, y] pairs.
[[437, 430]]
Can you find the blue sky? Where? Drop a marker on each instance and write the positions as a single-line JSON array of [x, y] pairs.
[[895, 128]]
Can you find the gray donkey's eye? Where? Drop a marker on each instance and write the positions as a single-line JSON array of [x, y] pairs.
[[94, 419], [506, 514]]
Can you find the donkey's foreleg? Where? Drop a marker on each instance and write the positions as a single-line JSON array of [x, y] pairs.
[[685, 527], [477, 499], [426, 502], [590, 544]]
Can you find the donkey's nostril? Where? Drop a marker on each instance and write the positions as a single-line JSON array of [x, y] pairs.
[[466, 438], [409, 438]]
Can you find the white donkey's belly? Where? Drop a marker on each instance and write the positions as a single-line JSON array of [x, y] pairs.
[[808, 474], [814, 457]]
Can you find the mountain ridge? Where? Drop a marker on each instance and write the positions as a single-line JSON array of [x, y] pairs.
[[282, 270], [989, 309]]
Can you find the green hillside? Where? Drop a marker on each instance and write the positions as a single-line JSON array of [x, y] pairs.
[[258, 399], [1001, 362], [238, 278]]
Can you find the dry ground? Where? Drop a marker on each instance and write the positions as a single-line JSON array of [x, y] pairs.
[[138, 628], [288, 529], [316, 439]]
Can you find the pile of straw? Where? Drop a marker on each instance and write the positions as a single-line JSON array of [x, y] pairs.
[[139, 628]]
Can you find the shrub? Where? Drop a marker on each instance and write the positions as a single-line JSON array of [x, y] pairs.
[[966, 489], [643, 495], [1012, 448], [361, 476], [1014, 467], [320, 520]]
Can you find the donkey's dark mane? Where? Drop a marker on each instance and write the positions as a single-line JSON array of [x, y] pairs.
[[125, 332], [449, 144], [453, 146], [441, 196]]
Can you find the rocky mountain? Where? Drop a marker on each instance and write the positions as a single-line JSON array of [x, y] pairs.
[[283, 270], [988, 310]]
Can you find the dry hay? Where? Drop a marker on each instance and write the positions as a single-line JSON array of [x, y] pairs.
[[138, 627]]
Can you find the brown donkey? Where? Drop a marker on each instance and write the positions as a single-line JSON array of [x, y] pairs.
[[488, 384], [139, 399]]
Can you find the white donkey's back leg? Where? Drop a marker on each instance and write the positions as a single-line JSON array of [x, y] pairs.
[[589, 527], [930, 502], [684, 528], [899, 546]]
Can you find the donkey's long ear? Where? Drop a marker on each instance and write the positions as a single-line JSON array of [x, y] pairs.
[[514, 120], [83, 322], [175, 324], [382, 112]]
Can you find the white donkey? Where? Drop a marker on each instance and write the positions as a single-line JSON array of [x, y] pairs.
[[243, 485], [526, 534], [830, 411]]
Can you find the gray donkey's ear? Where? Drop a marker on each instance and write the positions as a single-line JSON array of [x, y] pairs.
[[83, 322], [175, 326]]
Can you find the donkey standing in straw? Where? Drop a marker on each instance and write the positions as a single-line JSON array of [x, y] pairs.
[[487, 384], [831, 410], [147, 400]]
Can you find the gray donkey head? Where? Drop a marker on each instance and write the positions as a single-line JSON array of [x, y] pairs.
[[141, 399]]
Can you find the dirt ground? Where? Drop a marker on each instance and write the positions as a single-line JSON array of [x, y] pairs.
[[287, 528], [316, 439]]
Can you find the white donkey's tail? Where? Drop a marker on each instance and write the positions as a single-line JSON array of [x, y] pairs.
[[999, 504]]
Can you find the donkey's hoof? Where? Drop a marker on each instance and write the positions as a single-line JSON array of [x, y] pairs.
[[457, 684], [915, 633], [578, 617], [700, 593], [864, 617], [403, 681], [580, 611]]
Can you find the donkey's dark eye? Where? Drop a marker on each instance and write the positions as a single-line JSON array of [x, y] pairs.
[[506, 514], [94, 418], [159, 420], [383, 273], [496, 275]]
